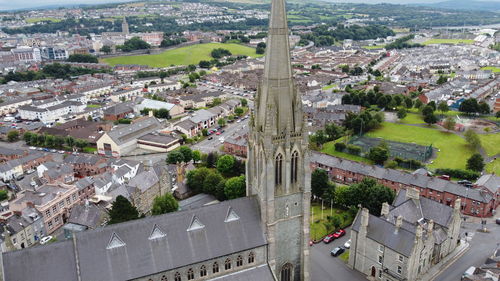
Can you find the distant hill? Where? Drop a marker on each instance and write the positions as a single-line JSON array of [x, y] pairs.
[[490, 6]]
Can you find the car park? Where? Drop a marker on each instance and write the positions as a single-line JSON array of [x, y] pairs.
[[21, 177], [339, 233], [337, 251]]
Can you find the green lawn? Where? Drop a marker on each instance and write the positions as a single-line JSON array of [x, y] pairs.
[[345, 256], [373, 47], [182, 56], [494, 69], [93, 106], [493, 167], [35, 20], [328, 87], [449, 41], [329, 148], [412, 118], [454, 151], [318, 228], [490, 143]]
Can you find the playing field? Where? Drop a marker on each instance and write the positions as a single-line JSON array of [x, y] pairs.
[[453, 153], [490, 143], [35, 20], [374, 47], [493, 167], [182, 56], [413, 119], [494, 69], [448, 41]]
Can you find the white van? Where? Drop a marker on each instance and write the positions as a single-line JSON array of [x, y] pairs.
[[469, 272]]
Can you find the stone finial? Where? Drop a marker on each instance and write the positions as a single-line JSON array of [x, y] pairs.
[[385, 209], [419, 232], [365, 217], [458, 204], [430, 226], [412, 193], [399, 222]]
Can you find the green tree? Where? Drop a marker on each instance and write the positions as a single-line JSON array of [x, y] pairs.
[[70, 141], [205, 64], [239, 111], [336, 221], [497, 115], [212, 160], [225, 164], [162, 113], [235, 187], [134, 43], [49, 140], [408, 102], [81, 144], [220, 53], [473, 139], [244, 102], [430, 119], [4, 195], [319, 182], [443, 107], [401, 113], [449, 123], [484, 108], [469, 106], [82, 58], [106, 49], [204, 132], [175, 157], [221, 122], [378, 154], [418, 104], [187, 153], [428, 110], [196, 156], [164, 204], [196, 178], [212, 180], [122, 210], [442, 79], [475, 163], [13, 136]]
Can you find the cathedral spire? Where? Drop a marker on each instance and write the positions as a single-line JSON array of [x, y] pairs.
[[278, 107]]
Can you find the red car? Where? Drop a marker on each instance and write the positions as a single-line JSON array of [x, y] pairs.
[[329, 238], [339, 234], [218, 133]]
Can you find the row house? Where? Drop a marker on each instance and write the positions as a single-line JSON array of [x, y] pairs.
[[87, 165], [22, 229], [204, 119], [15, 168], [92, 90], [86, 188], [187, 127], [52, 172], [52, 114], [11, 106], [475, 202], [53, 201], [163, 87], [127, 94], [7, 154]]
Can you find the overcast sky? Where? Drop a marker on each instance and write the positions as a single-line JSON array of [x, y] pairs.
[[19, 4]]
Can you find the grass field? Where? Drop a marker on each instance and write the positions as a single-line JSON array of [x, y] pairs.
[[413, 119], [494, 69], [328, 87], [493, 167], [449, 41], [182, 56], [318, 228], [329, 148], [35, 20], [454, 151], [490, 143]]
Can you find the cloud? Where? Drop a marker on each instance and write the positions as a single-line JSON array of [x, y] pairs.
[[26, 4]]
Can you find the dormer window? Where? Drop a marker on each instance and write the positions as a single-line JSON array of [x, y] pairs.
[[115, 242], [195, 224]]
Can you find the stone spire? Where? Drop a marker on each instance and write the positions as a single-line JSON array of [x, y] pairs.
[[278, 106]]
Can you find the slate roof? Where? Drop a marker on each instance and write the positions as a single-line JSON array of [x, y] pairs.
[[118, 109], [490, 182], [89, 216], [140, 256], [384, 232], [134, 130], [261, 273]]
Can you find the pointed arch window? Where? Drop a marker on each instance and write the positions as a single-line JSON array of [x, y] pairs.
[[190, 274], [251, 257], [215, 267], [279, 169], [295, 166], [239, 261], [286, 272], [227, 264], [203, 271], [163, 278], [177, 276]]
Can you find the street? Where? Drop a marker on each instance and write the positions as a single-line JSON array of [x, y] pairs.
[[211, 145]]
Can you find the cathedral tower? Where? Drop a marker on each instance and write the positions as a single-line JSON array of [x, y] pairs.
[[278, 172]]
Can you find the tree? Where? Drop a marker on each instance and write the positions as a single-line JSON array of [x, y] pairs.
[[340, 146], [162, 113], [4, 195], [469, 106], [408, 102], [401, 113], [443, 107], [164, 204], [70, 141], [367, 193], [49, 140], [175, 157], [220, 53], [13, 136], [473, 139], [336, 221], [497, 115], [221, 122], [418, 103], [187, 153], [204, 132], [261, 48], [442, 79], [29, 138], [212, 159], [205, 64], [244, 102], [475, 163], [106, 49], [484, 108], [81, 144], [134, 43], [196, 178], [225, 164], [235, 187], [82, 58], [319, 182], [196, 156], [239, 111], [212, 180], [428, 110], [378, 154], [430, 119], [449, 123], [122, 210]]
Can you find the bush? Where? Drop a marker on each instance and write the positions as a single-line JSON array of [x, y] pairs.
[[408, 163], [353, 149], [459, 174], [124, 121], [340, 146], [3, 195]]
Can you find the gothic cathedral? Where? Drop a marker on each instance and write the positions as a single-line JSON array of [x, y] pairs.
[[278, 172]]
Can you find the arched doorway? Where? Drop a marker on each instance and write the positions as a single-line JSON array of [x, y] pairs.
[[374, 271]]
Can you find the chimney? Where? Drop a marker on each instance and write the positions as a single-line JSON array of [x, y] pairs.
[[365, 217], [430, 226], [385, 209], [399, 222], [412, 193]]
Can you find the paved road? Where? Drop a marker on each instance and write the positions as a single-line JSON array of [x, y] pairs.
[[214, 144], [324, 267], [482, 246]]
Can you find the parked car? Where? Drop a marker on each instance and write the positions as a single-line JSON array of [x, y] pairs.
[[347, 244], [210, 138], [53, 150], [218, 133], [61, 151], [46, 149], [329, 238], [339, 233], [337, 251], [21, 177], [469, 272], [497, 220], [30, 171], [32, 148], [45, 239]]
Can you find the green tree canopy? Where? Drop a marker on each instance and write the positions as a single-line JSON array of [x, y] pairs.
[[164, 204], [319, 182], [13, 136], [475, 163], [235, 187], [378, 154], [175, 157], [472, 138], [122, 210], [225, 164]]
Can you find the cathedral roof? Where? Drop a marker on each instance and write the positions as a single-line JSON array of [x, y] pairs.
[[130, 250]]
